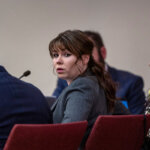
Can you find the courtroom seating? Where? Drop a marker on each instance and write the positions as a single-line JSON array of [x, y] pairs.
[[146, 144], [66, 136], [118, 132], [147, 122], [50, 100]]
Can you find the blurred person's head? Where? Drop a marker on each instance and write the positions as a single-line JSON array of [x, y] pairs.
[[99, 50]]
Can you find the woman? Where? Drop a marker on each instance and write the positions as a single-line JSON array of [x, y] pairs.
[[90, 91]]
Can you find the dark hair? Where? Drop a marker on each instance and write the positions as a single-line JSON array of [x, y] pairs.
[[98, 42], [79, 44], [74, 41]]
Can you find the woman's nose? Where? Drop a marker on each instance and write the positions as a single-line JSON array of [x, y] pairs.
[[59, 60]]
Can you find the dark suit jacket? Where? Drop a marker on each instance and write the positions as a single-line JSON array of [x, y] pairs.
[[20, 103], [130, 89]]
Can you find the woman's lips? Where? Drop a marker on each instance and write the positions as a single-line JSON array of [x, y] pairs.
[[60, 70]]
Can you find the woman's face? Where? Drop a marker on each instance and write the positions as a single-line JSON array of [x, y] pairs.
[[67, 66]]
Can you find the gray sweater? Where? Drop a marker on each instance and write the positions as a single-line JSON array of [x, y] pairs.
[[82, 100]]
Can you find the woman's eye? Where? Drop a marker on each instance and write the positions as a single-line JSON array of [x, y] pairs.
[[55, 55], [67, 55]]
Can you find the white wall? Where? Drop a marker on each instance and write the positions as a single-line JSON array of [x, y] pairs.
[[27, 26]]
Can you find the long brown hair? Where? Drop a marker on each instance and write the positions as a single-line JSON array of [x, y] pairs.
[[79, 44]]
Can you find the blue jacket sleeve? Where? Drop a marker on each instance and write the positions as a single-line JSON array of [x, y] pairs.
[[136, 97], [61, 84]]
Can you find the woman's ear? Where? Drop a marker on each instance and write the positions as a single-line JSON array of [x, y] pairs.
[[85, 59]]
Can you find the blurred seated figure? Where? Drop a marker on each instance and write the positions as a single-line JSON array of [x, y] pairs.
[[130, 86], [20, 103]]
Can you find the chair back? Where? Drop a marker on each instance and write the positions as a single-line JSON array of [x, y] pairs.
[[118, 132], [46, 137], [147, 122]]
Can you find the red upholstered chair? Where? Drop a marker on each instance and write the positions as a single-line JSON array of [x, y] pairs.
[[46, 137], [124, 132], [147, 122]]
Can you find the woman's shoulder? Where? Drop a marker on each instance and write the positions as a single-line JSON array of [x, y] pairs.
[[85, 80], [86, 84], [91, 79]]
